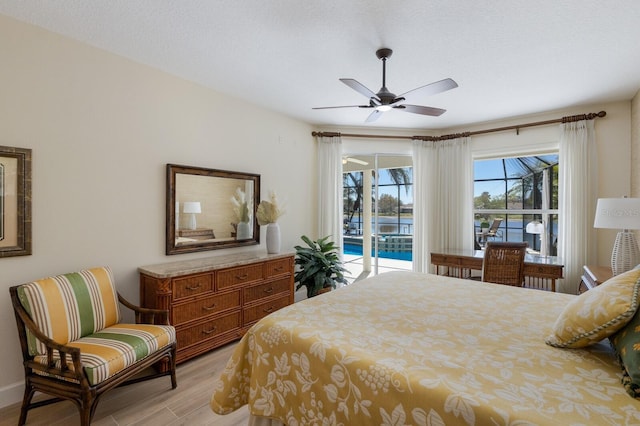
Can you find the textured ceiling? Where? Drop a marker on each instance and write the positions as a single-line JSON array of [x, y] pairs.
[[509, 57]]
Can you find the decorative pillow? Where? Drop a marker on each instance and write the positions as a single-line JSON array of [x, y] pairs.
[[626, 343], [597, 313]]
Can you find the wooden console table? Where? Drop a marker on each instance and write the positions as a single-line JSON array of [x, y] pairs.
[[540, 272]]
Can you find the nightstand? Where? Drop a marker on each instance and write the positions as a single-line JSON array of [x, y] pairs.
[[592, 276]]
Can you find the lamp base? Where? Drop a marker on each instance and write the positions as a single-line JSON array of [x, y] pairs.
[[625, 255], [192, 222]]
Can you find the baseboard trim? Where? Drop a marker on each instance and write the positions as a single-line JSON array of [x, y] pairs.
[[11, 394]]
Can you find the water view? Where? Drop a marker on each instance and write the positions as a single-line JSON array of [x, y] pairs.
[[395, 236]]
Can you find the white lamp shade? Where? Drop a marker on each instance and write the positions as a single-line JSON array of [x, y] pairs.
[[618, 213], [535, 227], [191, 207]]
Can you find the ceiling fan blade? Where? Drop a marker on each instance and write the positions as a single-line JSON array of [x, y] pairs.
[[424, 110], [432, 88], [362, 89], [344, 106], [373, 116]]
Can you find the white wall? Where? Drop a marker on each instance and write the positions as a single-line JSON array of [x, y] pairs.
[[102, 129]]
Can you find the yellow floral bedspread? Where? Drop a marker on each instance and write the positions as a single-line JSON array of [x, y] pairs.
[[408, 348]]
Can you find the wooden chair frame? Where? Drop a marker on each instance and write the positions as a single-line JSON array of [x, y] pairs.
[[71, 382], [504, 263]]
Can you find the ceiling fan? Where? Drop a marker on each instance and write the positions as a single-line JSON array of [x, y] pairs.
[[384, 100]]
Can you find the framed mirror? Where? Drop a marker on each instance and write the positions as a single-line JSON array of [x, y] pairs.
[[210, 209]]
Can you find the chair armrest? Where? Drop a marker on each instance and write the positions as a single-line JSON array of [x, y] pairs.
[[65, 353], [146, 315]]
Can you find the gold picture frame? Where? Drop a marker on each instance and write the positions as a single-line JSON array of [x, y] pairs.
[[15, 201]]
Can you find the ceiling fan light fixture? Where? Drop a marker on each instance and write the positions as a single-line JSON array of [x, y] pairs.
[[385, 100]]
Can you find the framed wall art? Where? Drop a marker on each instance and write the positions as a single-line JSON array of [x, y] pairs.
[[15, 201]]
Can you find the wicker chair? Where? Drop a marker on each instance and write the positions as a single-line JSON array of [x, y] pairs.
[[74, 346], [504, 263]]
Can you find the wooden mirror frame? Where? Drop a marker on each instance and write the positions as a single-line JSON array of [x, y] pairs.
[[15, 201], [213, 190]]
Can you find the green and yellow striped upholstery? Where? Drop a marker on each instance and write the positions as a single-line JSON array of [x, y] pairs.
[[70, 306], [117, 347], [81, 309]]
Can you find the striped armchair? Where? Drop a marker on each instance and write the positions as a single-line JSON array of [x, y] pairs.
[[74, 345]]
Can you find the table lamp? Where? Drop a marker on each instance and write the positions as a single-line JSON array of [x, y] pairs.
[[535, 227], [620, 213], [192, 208]]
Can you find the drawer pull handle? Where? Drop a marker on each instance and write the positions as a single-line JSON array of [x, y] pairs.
[[209, 308], [268, 290], [242, 277], [213, 330], [193, 287], [268, 310], [279, 268]]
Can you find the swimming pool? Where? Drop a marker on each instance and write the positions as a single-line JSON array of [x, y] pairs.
[[356, 250]]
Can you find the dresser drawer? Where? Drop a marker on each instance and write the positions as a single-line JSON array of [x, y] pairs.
[[265, 290], [254, 313], [205, 306], [277, 267], [236, 276], [192, 285], [207, 329]]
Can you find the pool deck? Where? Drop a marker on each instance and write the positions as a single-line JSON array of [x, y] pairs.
[[353, 263]]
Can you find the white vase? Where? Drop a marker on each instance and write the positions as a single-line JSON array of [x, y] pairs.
[[273, 238], [244, 231]]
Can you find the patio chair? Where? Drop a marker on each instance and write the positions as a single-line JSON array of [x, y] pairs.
[[494, 230], [504, 263]]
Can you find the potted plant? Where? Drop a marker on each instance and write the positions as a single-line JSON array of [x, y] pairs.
[[319, 266], [484, 226]]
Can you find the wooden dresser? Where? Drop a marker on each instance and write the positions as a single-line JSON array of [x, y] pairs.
[[213, 301]]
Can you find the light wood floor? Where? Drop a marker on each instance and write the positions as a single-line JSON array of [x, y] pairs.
[[149, 403]]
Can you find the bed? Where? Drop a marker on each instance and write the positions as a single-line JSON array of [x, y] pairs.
[[421, 349]]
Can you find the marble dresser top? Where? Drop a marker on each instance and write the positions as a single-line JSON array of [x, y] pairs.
[[193, 266]]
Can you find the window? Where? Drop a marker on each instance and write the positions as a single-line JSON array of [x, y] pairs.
[[523, 192]]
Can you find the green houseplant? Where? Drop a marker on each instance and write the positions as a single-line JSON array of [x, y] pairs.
[[319, 266]]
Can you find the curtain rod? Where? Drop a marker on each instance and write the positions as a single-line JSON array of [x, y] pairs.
[[517, 127]]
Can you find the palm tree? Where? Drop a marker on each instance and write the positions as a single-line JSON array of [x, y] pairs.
[[352, 181]]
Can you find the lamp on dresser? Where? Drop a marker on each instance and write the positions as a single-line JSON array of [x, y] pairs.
[[624, 214], [192, 208]]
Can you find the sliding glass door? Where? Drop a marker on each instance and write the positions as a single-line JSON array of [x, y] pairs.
[[378, 213]]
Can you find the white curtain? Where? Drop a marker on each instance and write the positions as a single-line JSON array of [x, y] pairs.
[[330, 216], [578, 196], [442, 198]]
